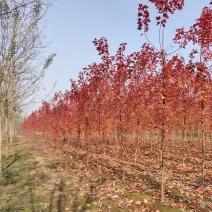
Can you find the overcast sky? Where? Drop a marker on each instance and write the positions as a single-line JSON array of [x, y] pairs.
[[72, 25]]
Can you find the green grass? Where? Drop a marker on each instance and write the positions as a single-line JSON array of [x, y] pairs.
[[9, 177], [137, 196], [159, 206]]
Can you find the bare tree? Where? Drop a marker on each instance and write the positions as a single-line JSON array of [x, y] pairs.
[[21, 43]]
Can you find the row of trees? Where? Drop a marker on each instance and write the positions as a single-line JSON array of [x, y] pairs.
[[124, 92], [150, 93], [21, 43]]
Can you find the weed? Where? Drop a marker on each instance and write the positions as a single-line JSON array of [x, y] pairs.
[[6, 209], [9, 177]]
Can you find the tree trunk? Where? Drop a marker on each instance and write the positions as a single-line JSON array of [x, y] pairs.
[[7, 135], [0, 141], [162, 151], [11, 130], [203, 140]]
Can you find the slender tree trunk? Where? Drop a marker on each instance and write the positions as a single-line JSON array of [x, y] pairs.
[[203, 140], [121, 140], [10, 130], [78, 135], [184, 124], [163, 136], [86, 140], [104, 139], [163, 129], [99, 131], [0, 140], [137, 140], [86, 130], [7, 135], [202, 130]]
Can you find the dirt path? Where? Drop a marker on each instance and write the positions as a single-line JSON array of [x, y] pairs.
[[34, 180]]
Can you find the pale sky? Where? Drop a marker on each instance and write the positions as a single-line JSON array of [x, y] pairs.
[[73, 24]]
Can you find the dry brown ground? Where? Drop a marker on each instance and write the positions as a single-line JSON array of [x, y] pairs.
[[37, 180]]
